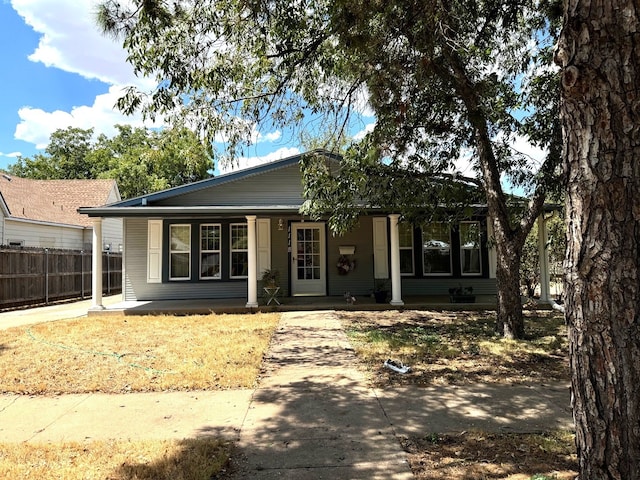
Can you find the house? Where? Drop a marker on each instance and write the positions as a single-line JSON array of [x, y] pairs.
[[212, 239], [43, 213]]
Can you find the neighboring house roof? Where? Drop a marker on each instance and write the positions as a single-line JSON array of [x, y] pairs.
[[54, 201]]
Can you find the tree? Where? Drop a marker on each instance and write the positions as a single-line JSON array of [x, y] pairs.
[[443, 78], [66, 157], [140, 160], [600, 112]]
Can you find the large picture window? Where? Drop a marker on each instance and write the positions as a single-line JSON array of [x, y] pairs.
[[470, 263], [436, 249], [406, 249], [210, 245], [239, 250], [179, 252]]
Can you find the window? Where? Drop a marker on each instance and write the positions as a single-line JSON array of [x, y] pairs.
[[406, 249], [436, 249], [210, 251], [179, 252], [239, 250], [470, 248]]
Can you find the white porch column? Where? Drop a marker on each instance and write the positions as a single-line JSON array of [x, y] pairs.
[[252, 280], [394, 234], [543, 255], [96, 266]]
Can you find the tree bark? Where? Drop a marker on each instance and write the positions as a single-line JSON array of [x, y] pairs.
[[509, 320], [599, 52]]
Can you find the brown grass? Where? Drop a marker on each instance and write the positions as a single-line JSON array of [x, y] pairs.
[[456, 348], [115, 354], [193, 459], [482, 456]]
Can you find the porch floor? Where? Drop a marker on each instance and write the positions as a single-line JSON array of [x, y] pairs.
[[238, 305]]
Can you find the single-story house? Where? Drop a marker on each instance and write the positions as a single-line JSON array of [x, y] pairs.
[[212, 239], [44, 213]]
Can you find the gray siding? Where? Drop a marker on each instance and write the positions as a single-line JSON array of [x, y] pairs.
[[279, 187], [135, 281], [441, 286], [358, 282]]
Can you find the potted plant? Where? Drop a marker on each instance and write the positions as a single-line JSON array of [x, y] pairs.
[[270, 277], [381, 290], [462, 294]]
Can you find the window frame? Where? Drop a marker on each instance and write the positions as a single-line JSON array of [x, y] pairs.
[[411, 248], [463, 249], [237, 250], [423, 249], [203, 251], [172, 251]]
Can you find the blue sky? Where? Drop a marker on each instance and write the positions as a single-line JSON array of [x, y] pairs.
[[59, 72]]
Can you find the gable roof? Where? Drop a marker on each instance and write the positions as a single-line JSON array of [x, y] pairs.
[[149, 204], [53, 201]]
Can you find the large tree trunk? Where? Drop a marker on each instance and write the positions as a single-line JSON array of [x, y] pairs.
[[599, 52], [510, 322]]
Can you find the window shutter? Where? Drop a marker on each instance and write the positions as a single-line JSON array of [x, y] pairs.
[[154, 251], [263, 226], [380, 249]]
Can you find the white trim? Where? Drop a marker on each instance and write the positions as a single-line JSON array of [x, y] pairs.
[[218, 251], [252, 278], [187, 251], [238, 250], [422, 250], [410, 248], [462, 249]]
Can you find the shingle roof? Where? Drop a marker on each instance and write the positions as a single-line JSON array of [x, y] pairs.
[[54, 201]]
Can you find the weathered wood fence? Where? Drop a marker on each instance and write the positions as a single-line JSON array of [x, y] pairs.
[[35, 276]]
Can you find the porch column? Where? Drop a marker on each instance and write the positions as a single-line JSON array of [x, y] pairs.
[[252, 280], [394, 234], [96, 266], [543, 255]]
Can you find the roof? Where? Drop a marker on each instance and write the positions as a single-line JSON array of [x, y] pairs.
[[144, 205], [53, 201]]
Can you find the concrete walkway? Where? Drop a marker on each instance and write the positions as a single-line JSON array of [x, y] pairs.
[[312, 416]]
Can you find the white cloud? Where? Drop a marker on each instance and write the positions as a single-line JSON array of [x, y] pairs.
[[248, 162], [362, 133], [71, 41], [36, 125], [270, 137]]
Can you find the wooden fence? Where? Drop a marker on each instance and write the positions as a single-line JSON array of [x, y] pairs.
[[36, 276]]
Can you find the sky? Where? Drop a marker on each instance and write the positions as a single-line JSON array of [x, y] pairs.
[[59, 72]]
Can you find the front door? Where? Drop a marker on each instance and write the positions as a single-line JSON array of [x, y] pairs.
[[308, 265]]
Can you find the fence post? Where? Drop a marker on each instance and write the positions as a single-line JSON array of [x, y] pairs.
[[46, 276]]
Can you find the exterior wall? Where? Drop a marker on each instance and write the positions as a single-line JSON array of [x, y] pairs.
[[279, 187], [359, 282], [135, 282], [41, 235]]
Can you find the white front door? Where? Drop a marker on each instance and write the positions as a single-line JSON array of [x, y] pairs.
[[308, 264]]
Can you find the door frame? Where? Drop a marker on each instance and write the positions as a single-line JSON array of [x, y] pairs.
[[318, 287]]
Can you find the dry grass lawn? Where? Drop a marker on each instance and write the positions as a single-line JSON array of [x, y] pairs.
[[449, 348], [192, 459], [116, 354]]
